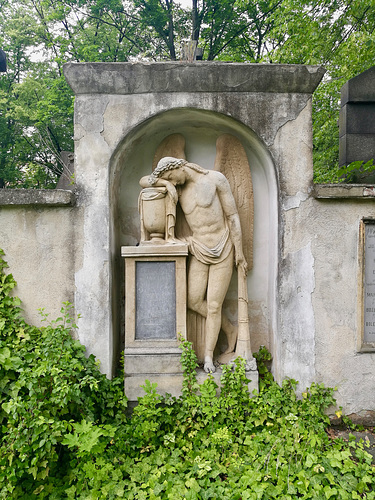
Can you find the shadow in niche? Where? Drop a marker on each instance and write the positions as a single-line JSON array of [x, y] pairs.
[[133, 159]]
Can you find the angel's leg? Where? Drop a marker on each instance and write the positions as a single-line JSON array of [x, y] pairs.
[[230, 332], [211, 281], [218, 282], [197, 288]]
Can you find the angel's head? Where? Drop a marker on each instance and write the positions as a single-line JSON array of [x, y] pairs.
[[172, 169]]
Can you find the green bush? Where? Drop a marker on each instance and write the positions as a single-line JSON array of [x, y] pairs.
[[47, 386], [64, 433]]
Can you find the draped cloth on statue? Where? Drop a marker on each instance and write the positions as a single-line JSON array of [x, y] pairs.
[[211, 255]]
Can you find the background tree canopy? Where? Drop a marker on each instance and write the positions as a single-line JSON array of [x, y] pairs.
[[39, 36]]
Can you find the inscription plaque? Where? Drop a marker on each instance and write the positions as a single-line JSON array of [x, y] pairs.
[[369, 284], [155, 300]]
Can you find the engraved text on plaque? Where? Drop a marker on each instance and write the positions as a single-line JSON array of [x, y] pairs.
[[369, 285], [155, 300]]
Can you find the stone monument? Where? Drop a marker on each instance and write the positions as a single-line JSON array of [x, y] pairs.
[[123, 113], [357, 122], [184, 207]]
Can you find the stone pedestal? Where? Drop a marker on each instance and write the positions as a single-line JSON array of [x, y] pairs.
[[155, 313], [171, 383]]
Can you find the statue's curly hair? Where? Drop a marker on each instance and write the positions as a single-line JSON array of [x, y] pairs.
[[171, 163]]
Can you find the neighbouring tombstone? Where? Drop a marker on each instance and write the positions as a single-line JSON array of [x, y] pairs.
[[3, 61], [198, 54], [188, 50], [357, 122], [67, 177]]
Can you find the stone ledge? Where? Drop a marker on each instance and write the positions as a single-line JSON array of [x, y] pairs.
[[166, 77], [171, 383], [37, 197], [342, 191]]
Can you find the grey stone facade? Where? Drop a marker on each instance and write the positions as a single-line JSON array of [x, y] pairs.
[[304, 294]]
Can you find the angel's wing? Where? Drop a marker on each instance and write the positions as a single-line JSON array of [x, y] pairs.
[[172, 145], [231, 160]]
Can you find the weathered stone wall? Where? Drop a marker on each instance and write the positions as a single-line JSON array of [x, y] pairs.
[[334, 216], [303, 290], [320, 302], [37, 236]]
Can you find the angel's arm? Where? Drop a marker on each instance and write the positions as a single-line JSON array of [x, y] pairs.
[[161, 183], [144, 182], [230, 210]]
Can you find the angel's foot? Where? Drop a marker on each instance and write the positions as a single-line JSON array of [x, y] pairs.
[[209, 366]]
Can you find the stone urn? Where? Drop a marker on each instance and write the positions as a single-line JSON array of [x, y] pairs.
[[152, 209]]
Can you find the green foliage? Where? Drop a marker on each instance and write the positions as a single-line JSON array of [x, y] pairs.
[[64, 433], [356, 170], [189, 364], [36, 104], [264, 357], [47, 388], [338, 36], [39, 36]]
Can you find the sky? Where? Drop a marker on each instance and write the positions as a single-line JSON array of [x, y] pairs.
[[184, 3]]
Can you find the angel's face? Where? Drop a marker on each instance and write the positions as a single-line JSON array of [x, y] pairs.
[[177, 176]]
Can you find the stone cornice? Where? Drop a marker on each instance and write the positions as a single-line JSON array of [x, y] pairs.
[[167, 77]]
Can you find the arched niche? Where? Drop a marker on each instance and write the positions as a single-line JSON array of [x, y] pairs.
[[133, 159]]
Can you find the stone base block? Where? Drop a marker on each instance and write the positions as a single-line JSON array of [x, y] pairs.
[[164, 360], [171, 383]]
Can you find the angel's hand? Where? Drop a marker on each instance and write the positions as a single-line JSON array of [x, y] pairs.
[[241, 262]]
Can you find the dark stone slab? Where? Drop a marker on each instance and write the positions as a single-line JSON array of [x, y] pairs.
[[140, 78], [155, 301], [361, 88], [357, 118], [356, 147]]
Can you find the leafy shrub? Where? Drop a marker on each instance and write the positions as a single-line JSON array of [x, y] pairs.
[[357, 171], [64, 433], [47, 386]]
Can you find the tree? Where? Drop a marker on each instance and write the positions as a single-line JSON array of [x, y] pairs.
[[36, 104], [39, 36], [340, 37]]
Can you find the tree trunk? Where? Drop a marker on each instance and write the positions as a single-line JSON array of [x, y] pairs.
[[196, 23], [172, 50]]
